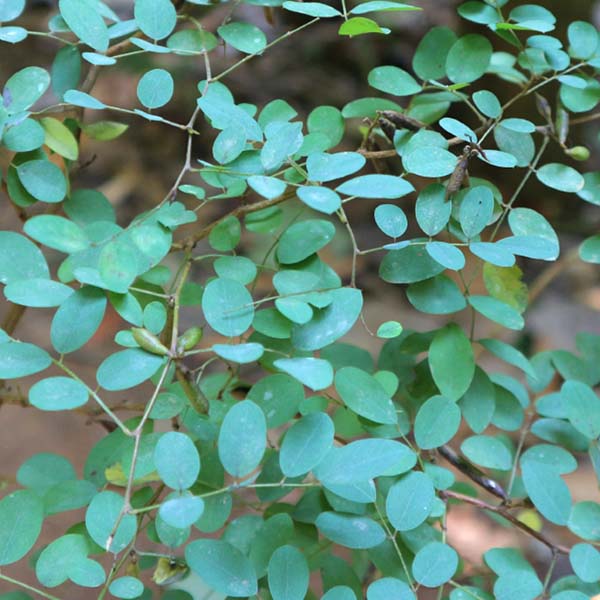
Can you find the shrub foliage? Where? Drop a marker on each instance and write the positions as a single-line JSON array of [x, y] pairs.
[[269, 457]]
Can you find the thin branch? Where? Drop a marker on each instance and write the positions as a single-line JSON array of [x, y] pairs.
[[27, 587], [190, 241], [504, 512]]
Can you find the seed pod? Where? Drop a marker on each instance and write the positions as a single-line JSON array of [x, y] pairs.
[[562, 125], [189, 339], [459, 174], [387, 127], [402, 121], [578, 152], [472, 472], [148, 341], [543, 107]]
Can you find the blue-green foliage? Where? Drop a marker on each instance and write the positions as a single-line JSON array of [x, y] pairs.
[[261, 451]]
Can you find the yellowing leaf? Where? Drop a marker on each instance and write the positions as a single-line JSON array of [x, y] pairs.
[[505, 284], [59, 138]]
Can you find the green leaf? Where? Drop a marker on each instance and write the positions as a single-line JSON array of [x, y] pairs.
[[497, 311], [20, 259], [389, 329], [66, 70], [376, 186], [229, 144], [529, 226], [381, 5], [554, 456], [560, 177], [447, 255], [329, 121], [583, 408], [468, 58], [305, 444], [438, 296], [360, 26], [476, 210], [505, 284], [21, 517], [488, 452], [77, 319], [126, 587], [242, 438], [430, 161], [227, 307], [458, 129], [62, 559], [239, 353], [86, 22], [18, 359], [585, 560], [478, 13], [312, 9], [181, 511], [37, 293], [57, 232], [339, 592], [155, 88], [583, 38], [589, 251], [432, 211], [429, 61], [434, 564], [101, 516], [479, 402], [127, 368], [349, 530], [288, 574], [177, 460], [393, 80], [451, 361], [518, 585], [584, 520], [314, 373], [362, 460], [25, 88], [156, 18], [487, 102], [104, 131], [327, 167], [495, 254], [43, 471], [222, 567], [389, 587], [408, 265], [58, 393], [279, 396], [330, 323], [303, 239], [117, 265], [547, 491], [225, 236], [437, 422], [11, 9], [82, 99], [391, 220], [43, 180], [26, 136], [244, 37], [364, 395], [319, 198], [410, 500], [59, 138]]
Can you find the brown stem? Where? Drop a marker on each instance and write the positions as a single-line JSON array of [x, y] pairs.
[[190, 241], [504, 512]]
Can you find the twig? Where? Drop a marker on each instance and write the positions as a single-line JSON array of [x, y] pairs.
[[27, 587], [504, 512], [190, 241]]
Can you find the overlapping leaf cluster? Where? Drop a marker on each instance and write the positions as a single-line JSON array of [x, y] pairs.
[[257, 456]]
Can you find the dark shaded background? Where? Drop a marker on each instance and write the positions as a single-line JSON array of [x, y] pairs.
[[314, 68]]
